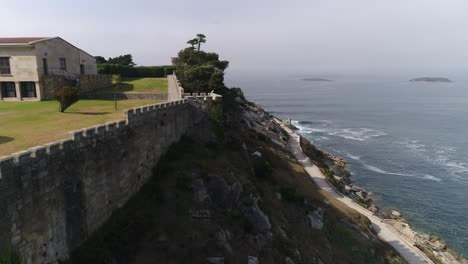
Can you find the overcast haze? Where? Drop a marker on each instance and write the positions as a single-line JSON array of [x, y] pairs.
[[330, 36]]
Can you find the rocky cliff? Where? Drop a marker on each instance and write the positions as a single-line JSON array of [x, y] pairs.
[[233, 197]]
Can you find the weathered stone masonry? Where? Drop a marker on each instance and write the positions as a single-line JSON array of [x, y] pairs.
[[53, 197]]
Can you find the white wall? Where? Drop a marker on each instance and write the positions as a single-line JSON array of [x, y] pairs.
[[23, 64], [89, 63]]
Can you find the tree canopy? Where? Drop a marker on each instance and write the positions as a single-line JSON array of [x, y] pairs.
[[100, 59], [200, 71], [126, 60], [197, 41]]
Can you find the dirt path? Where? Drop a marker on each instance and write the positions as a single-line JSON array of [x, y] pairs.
[[408, 251]]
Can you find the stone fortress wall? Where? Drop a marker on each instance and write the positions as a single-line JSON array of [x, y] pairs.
[[53, 197]]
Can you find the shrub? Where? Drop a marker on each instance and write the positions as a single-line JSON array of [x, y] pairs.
[[290, 194], [216, 116], [66, 97], [262, 168], [9, 256]]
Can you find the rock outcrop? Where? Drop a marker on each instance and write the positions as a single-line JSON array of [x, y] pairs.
[[430, 79]]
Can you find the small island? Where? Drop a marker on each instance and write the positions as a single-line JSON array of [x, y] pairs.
[[316, 80], [430, 79]]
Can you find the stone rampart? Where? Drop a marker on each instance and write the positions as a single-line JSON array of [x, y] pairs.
[[53, 197]]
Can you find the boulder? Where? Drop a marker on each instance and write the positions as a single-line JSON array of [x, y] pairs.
[[252, 260], [215, 260], [374, 209], [199, 191], [221, 194], [356, 189], [222, 242], [257, 218], [257, 154], [362, 195], [288, 260], [315, 219], [396, 214], [233, 196], [260, 241], [200, 214], [217, 189]]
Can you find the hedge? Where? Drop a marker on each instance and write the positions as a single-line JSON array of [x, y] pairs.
[[140, 71]]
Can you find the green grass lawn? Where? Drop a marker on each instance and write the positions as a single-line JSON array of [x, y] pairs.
[[27, 124], [139, 85]]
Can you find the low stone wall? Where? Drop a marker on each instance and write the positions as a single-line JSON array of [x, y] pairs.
[[180, 89], [91, 82], [51, 83], [121, 96], [53, 197], [86, 83]]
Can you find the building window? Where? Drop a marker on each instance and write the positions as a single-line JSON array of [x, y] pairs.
[[82, 69], [5, 65], [28, 89], [63, 64], [8, 89], [45, 65]]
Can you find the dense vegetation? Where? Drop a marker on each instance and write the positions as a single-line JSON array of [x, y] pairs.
[[124, 66], [125, 60], [130, 71], [200, 71]]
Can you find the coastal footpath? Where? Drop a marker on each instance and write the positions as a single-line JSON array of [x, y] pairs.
[[385, 232], [336, 175]]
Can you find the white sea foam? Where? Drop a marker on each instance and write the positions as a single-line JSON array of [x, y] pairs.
[[351, 156], [414, 145], [303, 129], [432, 178], [442, 156], [379, 170], [358, 134]]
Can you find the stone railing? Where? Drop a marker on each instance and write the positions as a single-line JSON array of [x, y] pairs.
[[180, 89]]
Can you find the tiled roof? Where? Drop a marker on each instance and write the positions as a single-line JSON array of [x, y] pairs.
[[20, 40]]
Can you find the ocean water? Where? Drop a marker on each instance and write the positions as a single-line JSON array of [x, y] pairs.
[[405, 142]]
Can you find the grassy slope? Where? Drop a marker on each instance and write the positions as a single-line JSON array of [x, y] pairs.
[[27, 124], [156, 223], [139, 85]]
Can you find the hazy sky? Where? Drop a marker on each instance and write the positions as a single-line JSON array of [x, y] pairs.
[[313, 36]]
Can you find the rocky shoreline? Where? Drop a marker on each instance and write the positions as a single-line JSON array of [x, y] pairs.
[[335, 169]]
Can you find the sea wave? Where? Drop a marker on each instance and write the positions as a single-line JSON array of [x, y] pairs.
[[351, 156], [414, 145], [381, 171], [443, 156], [431, 177], [358, 134]]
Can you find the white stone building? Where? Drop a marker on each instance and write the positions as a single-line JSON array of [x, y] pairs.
[[25, 62]]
